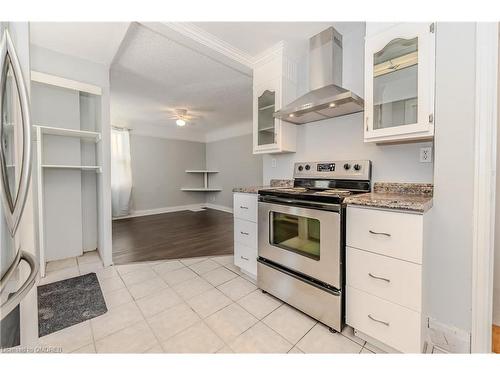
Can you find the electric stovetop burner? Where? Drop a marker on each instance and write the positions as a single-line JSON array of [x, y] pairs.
[[326, 181]]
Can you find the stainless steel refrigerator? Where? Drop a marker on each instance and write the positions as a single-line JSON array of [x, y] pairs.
[[18, 267]]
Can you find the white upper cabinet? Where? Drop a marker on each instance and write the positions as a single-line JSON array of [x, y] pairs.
[[274, 85], [399, 83]]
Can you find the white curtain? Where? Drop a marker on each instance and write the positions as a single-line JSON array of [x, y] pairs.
[[121, 172]]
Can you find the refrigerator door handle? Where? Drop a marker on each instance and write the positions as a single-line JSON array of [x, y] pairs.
[[16, 298], [13, 207]]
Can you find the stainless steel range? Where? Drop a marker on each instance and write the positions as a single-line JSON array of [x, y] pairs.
[[302, 237]]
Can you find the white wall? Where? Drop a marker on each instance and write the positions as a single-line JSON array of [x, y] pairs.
[[496, 275], [236, 164], [159, 172], [62, 198], [342, 137], [51, 62], [159, 165], [448, 252]]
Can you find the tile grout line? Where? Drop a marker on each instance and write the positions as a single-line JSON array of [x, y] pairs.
[[201, 319], [119, 275], [140, 311], [126, 326], [184, 301]]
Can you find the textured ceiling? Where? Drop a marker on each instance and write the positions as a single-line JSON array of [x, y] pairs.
[[255, 37], [93, 41], [152, 75]]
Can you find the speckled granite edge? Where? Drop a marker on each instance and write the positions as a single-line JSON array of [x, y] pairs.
[[414, 197], [426, 190], [408, 202], [255, 189]]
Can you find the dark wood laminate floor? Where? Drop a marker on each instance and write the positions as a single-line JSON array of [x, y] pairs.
[[174, 235]]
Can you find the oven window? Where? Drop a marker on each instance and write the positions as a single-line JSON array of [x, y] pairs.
[[296, 233]]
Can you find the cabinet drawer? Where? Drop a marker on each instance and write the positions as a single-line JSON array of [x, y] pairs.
[[392, 324], [388, 278], [245, 206], [245, 232], [246, 258], [394, 234]]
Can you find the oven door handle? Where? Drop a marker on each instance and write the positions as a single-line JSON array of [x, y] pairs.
[[301, 203]]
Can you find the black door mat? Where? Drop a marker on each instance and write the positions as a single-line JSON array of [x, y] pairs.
[[69, 302]]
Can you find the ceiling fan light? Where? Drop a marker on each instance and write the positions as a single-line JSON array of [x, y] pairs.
[[180, 122]]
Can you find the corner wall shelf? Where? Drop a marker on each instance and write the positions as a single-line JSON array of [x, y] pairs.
[[205, 187]]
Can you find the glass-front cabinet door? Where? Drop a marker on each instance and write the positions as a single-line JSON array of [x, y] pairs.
[[399, 83], [266, 105], [266, 127]]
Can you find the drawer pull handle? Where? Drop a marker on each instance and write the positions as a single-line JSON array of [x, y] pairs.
[[244, 208], [245, 233], [242, 257], [378, 321], [378, 277], [380, 233]]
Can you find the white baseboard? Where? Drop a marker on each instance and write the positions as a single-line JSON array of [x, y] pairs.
[[218, 207], [446, 338], [164, 210]]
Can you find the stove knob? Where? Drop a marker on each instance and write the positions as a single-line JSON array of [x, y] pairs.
[[308, 167], [347, 166], [301, 168], [357, 167]]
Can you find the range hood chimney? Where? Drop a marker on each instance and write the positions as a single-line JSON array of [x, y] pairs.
[[326, 98]]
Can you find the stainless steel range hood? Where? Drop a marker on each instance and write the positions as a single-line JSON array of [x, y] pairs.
[[326, 98]]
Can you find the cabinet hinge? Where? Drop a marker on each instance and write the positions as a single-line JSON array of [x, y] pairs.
[[431, 118], [431, 28]]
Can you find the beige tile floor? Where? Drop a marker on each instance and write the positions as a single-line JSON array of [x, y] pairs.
[[196, 305]]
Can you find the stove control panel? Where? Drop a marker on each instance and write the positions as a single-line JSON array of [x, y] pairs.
[[344, 169], [325, 167]]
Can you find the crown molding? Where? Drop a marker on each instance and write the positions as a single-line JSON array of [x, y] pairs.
[[269, 53], [211, 41]]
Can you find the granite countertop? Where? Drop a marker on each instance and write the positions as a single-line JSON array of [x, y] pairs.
[[398, 196], [255, 189]]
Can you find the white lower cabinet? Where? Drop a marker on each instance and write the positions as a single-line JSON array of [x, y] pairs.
[[392, 279], [384, 276], [245, 232], [390, 323], [246, 258]]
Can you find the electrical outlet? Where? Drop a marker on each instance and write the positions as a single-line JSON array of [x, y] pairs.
[[273, 162], [426, 154]]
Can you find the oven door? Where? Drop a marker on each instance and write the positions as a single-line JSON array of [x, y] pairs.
[[304, 239]]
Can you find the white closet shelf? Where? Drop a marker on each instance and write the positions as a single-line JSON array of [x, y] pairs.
[[201, 189], [80, 167], [201, 171], [84, 134]]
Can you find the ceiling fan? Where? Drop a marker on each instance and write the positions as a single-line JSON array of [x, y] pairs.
[[181, 116]]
